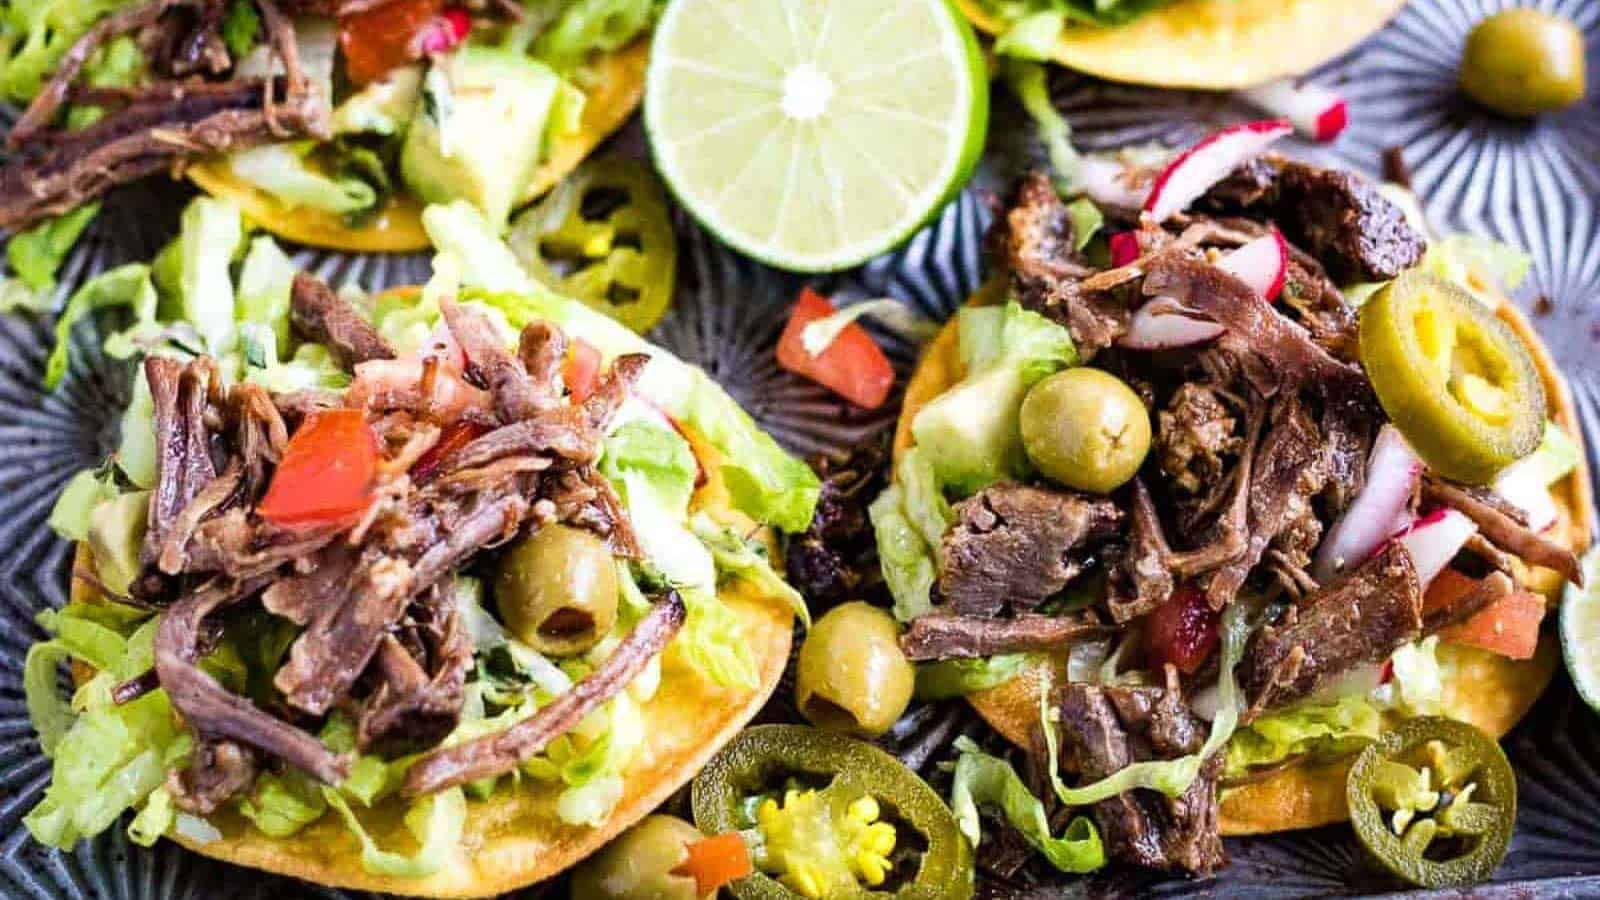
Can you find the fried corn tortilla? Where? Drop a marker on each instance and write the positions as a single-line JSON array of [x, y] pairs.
[[1488, 690], [1214, 44], [397, 228], [515, 837]]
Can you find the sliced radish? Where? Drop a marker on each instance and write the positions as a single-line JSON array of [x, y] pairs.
[[1110, 182], [1378, 511], [1524, 486], [1317, 112], [1163, 324], [1435, 539], [1124, 248], [1208, 162], [1263, 264]]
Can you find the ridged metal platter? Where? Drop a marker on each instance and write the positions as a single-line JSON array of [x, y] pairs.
[[1536, 185]]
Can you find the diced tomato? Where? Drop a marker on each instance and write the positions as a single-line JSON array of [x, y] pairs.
[[1182, 631], [454, 438], [1509, 626], [327, 471], [852, 366], [446, 32], [383, 37], [715, 862], [581, 369], [1446, 590]]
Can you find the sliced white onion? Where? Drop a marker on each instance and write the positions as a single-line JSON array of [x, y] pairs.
[[1524, 486], [1163, 323], [1378, 511], [1435, 539]]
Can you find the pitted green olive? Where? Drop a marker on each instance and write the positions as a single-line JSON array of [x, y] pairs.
[[557, 590], [852, 676], [1086, 429], [639, 865], [1523, 62]]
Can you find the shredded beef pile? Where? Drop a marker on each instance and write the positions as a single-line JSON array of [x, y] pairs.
[[382, 637], [1261, 440]]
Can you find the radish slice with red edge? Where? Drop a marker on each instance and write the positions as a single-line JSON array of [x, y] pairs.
[[1524, 486], [1435, 539], [1109, 182], [1317, 112], [1378, 511], [1163, 323], [1124, 248], [1262, 263], [1208, 162]]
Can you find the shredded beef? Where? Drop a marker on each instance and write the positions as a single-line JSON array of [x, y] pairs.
[[1195, 434], [320, 315], [209, 709], [943, 635], [836, 558], [1340, 217], [500, 753], [218, 769], [1106, 729], [493, 366], [418, 701], [1143, 578], [1362, 617], [1011, 546], [1502, 529], [1048, 273]]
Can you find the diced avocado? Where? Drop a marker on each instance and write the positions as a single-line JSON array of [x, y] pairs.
[[115, 537], [971, 433], [384, 107], [479, 130]]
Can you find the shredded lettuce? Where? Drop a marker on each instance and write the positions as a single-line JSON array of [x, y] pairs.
[[713, 642], [1469, 259], [115, 538], [1304, 728], [1081, 12], [127, 285], [1417, 686], [157, 817], [588, 26], [657, 454], [906, 560], [265, 283], [281, 170], [436, 821], [35, 35], [1086, 220], [240, 26], [1032, 37], [1170, 777], [280, 805], [747, 560], [212, 231], [981, 779], [764, 480], [1029, 81], [959, 677], [35, 255], [136, 453]]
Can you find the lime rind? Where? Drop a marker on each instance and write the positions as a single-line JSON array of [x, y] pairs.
[[865, 120], [1580, 630]]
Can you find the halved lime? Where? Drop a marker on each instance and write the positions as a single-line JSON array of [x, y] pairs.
[[1580, 630], [815, 134]]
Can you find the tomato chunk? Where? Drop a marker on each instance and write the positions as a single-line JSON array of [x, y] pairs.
[[715, 861], [581, 369], [1509, 626], [327, 471], [852, 366], [385, 36], [454, 438], [1182, 631]]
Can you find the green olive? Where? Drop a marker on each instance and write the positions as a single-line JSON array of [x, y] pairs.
[[638, 865], [1522, 62], [557, 590], [852, 676], [1085, 429]]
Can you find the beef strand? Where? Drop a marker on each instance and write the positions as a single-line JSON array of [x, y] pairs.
[[943, 635], [320, 315]]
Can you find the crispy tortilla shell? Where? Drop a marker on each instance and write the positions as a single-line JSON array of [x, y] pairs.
[[1214, 44], [1490, 691], [515, 838], [397, 228]]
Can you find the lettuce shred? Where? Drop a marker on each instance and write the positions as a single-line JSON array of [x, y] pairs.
[[984, 780], [1304, 728], [959, 677]]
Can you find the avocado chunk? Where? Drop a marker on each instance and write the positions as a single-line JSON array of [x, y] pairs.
[[479, 130]]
